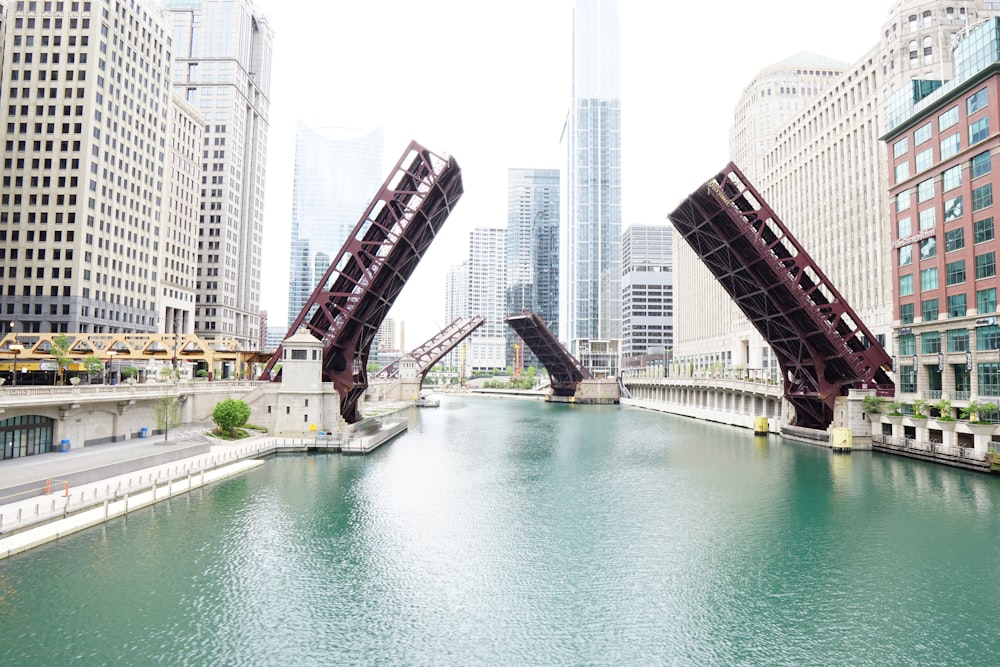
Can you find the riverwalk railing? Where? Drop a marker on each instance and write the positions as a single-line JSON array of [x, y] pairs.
[[934, 450]]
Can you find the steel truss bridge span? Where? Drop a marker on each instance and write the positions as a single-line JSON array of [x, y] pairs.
[[352, 299], [823, 348], [433, 350], [565, 371]]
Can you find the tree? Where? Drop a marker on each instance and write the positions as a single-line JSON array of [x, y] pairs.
[[230, 414], [60, 350], [975, 412], [129, 372], [168, 414], [93, 366]]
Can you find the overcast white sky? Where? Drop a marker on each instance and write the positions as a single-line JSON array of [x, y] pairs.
[[489, 84]]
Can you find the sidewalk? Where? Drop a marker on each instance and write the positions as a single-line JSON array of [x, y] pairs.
[[23, 478]]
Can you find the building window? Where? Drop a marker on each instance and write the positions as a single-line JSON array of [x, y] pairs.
[[982, 231], [906, 313], [930, 342], [954, 272], [989, 379], [904, 227], [953, 209], [988, 338], [982, 197], [905, 255], [927, 219], [958, 340], [928, 279], [922, 134], [957, 305], [954, 240], [951, 178], [907, 345], [929, 310], [924, 160], [925, 190], [902, 172], [979, 130], [950, 145], [948, 119], [900, 147], [986, 300], [902, 201], [928, 248], [986, 265], [907, 379], [981, 164], [906, 285], [976, 101]]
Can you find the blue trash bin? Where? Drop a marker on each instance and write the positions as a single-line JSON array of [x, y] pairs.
[[143, 432], [64, 446]]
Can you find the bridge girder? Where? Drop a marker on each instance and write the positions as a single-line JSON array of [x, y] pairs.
[[822, 346], [352, 299], [430, 352], [565, 371]]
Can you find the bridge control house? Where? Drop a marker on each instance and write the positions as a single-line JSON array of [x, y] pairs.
[[941, 138]]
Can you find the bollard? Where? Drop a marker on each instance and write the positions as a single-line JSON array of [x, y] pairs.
[[36, 509], [105, 509], [53, 505], [19, 514]]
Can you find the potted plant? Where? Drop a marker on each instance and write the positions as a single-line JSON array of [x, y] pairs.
[[918, 409], [129, 373], [945, 413], [975, 411], [873, 404]]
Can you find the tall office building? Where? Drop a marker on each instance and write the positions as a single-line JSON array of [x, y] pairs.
[[222, 67], [487, 297], [456, 304], [178, 268], [590, 266], [337, 173], [532, 248], [647, 291], [825, 174], [941, 141], [85, 107]]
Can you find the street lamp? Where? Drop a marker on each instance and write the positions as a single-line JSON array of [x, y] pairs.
[[108, 373], [15, 349]]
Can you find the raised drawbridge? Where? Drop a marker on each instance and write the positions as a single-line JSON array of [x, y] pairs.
[[352, 299], [822, 347], [431, 352]]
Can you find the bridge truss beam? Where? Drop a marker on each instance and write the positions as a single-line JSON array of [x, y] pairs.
[[822, 346], [433, 350], [351, 301], [565, 371]]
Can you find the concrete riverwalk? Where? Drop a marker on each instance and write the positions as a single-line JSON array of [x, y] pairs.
[[47, 496]]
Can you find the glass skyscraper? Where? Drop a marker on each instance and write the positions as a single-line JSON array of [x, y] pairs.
[[590, 299], [533, 247], [335, 181]]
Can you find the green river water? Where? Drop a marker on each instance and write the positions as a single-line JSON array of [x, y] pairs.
[[504, 532]]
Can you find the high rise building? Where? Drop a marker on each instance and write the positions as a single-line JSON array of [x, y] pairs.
[[85, 104], [456, 305], [222, 67], [825, 174], [532, 248], [487, 297], [337, 173], [178, 268], [647, 291], [940, 142], [590, 246]]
